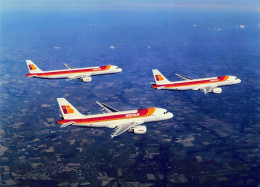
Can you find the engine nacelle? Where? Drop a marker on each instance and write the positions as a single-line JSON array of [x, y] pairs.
[[138, 129], [216, 90], [86, 79]]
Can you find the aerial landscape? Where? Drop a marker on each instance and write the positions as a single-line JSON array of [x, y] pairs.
[[212, 140]]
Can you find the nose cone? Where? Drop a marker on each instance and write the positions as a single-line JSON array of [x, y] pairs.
[[119, 70], [170, 115], [238, 81]]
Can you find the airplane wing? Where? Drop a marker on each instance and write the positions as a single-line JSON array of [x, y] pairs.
[[79, 76], [206, 89], [183, 77], [107, 108], [120, 128], [68, 66]]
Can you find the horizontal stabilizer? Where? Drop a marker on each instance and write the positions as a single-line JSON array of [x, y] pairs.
[[68, 124]]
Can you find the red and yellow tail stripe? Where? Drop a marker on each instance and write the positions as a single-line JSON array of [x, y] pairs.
[[32, 67], [159, 78], [67, 109]]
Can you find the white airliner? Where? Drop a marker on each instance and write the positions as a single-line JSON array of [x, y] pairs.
[[130, 121], [83, 74], [206, 85]]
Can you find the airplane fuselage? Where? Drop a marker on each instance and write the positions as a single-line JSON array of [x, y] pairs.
[[58, 74], [196, 84], [111, 119]]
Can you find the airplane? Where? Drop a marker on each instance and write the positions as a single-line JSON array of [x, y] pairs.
[[206, 85], [130, 121], [83, 74]]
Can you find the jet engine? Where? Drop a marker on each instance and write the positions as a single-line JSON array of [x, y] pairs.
[[216, 90], [86, 79], [138, 129]]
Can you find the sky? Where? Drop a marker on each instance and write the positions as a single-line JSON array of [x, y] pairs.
[[248, 5]]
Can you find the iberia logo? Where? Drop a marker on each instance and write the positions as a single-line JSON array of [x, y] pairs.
[[32, 67], [67, 109], [159, 77]]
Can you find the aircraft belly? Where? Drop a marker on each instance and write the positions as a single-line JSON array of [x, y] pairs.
[[172, 88], [96, 124], [166, 88], [148, 119], [224, 84], [183, 88], [56, 76], [100, 72], [100, 124], [180, 88]]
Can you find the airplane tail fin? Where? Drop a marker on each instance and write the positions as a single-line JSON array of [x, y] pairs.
[[159, 78], [32, 67], [68, 111]]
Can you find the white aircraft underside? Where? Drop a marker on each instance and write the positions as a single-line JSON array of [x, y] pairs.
[[206, 85], [83, 74], [121, 122]]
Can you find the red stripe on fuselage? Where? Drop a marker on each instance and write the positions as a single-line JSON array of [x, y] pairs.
[[190, 83], [139, 113], [71, 71]]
